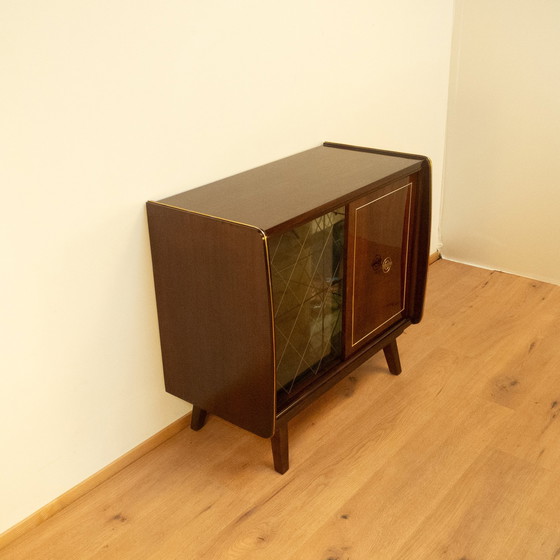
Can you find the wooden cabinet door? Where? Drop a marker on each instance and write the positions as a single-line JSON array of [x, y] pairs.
[[376, 265]]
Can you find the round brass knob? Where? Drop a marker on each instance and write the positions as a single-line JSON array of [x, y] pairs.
[[386, 265], [380, 264]]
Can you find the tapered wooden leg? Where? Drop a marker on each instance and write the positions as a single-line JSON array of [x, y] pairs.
[[198, 418], [392, 356], [280, 452]]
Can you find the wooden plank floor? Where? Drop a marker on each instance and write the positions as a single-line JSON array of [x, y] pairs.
[[458, 458]]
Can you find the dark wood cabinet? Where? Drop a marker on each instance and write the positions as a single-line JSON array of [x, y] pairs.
[[274, 284]]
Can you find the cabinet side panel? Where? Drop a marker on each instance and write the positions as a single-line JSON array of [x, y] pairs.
[[421, 220], [214, 312]]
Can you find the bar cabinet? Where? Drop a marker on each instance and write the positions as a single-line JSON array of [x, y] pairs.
[[274, 284]]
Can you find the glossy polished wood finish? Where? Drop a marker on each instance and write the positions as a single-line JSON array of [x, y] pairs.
[[279, 195], [213, 281], [214, 310], [378, 261], [421, 225]]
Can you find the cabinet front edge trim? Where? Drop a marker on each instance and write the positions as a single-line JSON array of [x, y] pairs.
[[209, 216]]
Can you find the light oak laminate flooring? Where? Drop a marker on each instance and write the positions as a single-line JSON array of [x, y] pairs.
[[457, 458]]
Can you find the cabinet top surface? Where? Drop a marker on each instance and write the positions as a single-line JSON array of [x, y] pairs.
[[293, 188]]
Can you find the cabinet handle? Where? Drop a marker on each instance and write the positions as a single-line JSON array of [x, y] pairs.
[[380, 264]]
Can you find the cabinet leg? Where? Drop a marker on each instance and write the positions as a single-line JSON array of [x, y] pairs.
[[280, 452], [392, 356], [198, 418]]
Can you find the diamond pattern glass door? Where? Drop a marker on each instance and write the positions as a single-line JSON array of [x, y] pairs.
[[307, 288]]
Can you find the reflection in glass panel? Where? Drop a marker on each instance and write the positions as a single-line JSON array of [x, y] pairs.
[[306, 274]]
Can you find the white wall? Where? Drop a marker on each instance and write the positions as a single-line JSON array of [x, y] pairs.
[[106, 104], [502, 195]]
